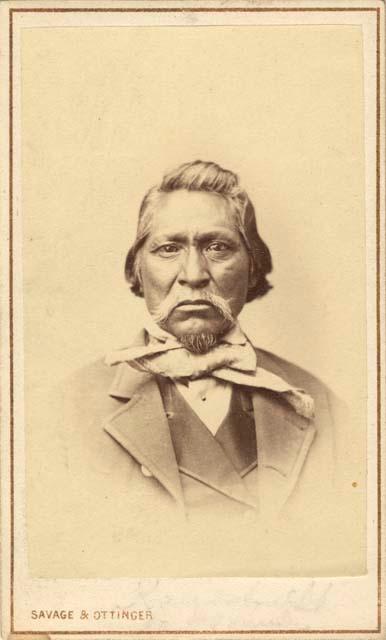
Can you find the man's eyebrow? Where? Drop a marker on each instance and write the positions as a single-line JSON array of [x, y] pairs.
[[170, 237], [225, 234], [198, 237]]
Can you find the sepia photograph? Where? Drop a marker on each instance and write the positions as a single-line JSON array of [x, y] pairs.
[[192, 333], [191, 427]]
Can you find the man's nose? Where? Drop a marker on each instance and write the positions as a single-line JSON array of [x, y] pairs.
[[194, 270]]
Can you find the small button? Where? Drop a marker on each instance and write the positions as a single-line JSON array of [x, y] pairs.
[[146, 471]]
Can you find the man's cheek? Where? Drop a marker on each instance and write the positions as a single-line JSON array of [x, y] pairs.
[[233, 286], [164, 272], [156, 274], [231, 276]]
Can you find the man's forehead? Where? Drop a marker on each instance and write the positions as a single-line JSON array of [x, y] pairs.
[[191, 211]]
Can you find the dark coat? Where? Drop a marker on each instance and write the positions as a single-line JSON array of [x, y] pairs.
[[116, 503]]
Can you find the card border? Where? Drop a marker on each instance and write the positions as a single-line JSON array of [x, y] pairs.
[[201, 9]]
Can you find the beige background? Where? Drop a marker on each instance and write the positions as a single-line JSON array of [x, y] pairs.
[[105, 111]]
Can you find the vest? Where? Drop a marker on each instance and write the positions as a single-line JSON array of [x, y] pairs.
[[215, 471]]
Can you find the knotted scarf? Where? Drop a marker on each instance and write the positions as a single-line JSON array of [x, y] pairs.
[[234, 363]]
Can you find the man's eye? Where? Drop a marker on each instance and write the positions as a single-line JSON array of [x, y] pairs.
[[168, 249], [218, 247]]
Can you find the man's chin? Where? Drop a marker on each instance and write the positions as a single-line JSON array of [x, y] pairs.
[[199, 343], [199, 337], [198, 327]]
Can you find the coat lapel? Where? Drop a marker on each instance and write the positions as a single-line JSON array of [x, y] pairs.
[[283, 437], [283, 441], [141, 427]]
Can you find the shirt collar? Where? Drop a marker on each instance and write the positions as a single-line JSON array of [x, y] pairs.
[[235, 335]]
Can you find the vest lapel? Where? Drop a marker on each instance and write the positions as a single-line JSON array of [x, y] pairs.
[[141, 427], [199, 454], [283, 440]]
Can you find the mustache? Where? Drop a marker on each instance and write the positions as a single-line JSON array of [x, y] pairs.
[[171, 302]]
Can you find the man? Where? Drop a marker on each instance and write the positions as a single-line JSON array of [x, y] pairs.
[[191, 430]]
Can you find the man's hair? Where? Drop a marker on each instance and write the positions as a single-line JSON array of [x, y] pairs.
[[208, 177]]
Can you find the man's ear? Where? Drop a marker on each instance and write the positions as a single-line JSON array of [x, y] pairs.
[[253, 275], [137, 273], [139, 280]]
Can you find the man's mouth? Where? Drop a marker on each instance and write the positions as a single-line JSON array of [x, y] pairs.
[[193, 305]]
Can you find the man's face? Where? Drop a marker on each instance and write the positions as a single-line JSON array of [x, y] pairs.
[[193, 250]]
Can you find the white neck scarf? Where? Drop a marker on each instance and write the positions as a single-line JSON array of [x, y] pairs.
[[233, 360]]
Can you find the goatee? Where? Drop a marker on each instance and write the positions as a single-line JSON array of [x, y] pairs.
[[199, 343]]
